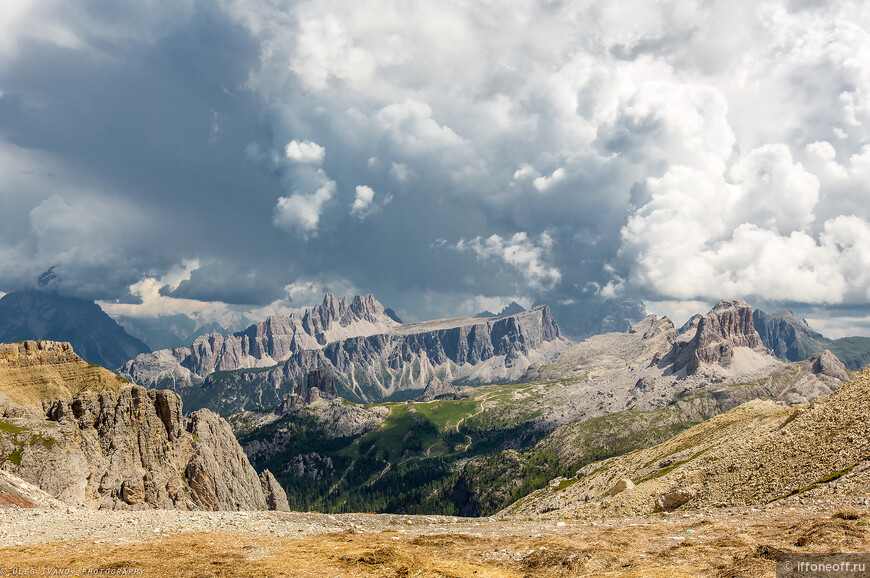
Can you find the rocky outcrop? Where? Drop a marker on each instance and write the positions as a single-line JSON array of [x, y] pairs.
[[42, 314], [218, 471], [261, 345], [319, 386], [276, 497], [135, 449], [91, 440], [16, 493], [437, 389], [819, 375], [827, 364], [716, 335]]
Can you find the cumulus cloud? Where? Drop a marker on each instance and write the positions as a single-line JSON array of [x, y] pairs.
[[699, 149], [153, 303], [703, 237], [306, 152], [520, 252], [524, 172], [301, 212], [543, 183], [362, 202]]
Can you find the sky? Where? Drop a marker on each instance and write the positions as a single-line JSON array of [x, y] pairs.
[[229, 157]]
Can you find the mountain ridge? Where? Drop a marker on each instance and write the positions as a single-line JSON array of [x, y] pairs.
[[43, 314], [791, 338], [371, 358]]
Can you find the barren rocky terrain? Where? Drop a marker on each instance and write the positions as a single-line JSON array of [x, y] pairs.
[[731, 542]]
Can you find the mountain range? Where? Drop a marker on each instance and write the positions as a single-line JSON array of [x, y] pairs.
[[354, 410], [370, 356], [477, 450], [758, 454]]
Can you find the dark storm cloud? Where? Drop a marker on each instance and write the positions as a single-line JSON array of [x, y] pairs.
[[444, 157], [230, 283], [158, 130]]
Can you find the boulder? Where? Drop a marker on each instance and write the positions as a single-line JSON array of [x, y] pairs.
[[621, 486]]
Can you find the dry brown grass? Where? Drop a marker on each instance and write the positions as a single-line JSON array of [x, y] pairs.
[[726, 546]]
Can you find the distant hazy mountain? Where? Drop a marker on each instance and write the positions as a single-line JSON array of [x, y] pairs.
[[43, 314], [791, 338], [167, 331], [585, 318], [511, 309]]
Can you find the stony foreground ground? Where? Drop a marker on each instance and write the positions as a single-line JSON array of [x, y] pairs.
[[732, 542]]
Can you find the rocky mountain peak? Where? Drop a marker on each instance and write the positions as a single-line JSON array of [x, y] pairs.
[[826, 363], [730, 321], [364, 307], [727, 326], [263, 344], [652, 325]]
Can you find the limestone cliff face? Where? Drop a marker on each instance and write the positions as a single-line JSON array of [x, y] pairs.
[[34, 371], [88, 438], [133, 449], [371, 368], [727, 326], [261, 345], [319, 386]]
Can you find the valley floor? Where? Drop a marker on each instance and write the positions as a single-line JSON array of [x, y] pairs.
[[728, 542]]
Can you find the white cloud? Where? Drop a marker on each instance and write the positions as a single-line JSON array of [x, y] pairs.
[[544, 183], [401, 172], [301, 212], [306, 152], [362, 202], [520, 252], [775, 192], [410, 125], [703, 237], [524, 172]]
